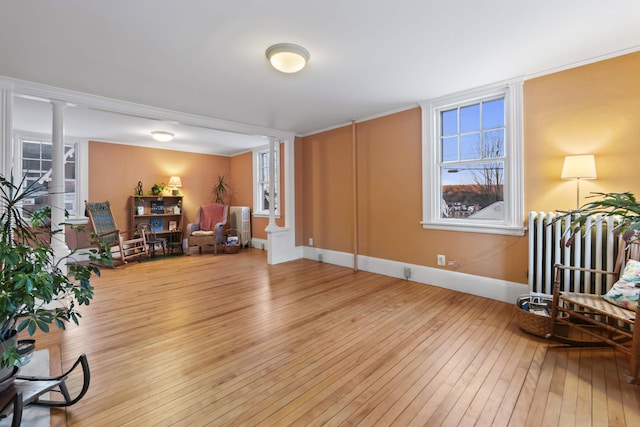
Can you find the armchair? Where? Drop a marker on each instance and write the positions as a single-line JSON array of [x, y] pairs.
[[208, 230]]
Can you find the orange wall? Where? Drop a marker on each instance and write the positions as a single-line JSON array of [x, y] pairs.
[[114, 172], [589, 109], [389, 151], [594, 109], [327, 175]]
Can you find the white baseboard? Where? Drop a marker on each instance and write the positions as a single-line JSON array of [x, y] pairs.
[[259, 243], [497, 289]]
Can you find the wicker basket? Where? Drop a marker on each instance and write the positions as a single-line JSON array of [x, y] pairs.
[[535, 324], [231, 249]]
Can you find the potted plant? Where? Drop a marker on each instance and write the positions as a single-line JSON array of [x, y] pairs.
[[157, 190], [623, 206], [220, 189], [35, 291]]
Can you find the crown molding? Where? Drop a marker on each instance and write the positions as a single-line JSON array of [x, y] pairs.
[[47, 93]]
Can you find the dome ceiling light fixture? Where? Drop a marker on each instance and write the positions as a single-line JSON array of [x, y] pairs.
[[287, 57], [162, 136]]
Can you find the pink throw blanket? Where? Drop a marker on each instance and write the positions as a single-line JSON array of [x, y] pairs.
[[210, 215]]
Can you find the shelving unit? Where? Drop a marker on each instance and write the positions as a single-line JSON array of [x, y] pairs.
[[161, 214]]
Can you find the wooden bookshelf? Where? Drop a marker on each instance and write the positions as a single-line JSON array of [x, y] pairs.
[[161, 213]]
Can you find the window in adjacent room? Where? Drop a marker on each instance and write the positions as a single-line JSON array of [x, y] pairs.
[[472, 173], [261, 162], [35, 163]]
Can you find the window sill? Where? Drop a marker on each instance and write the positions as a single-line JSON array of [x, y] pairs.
[[476, 228], [263, 215]]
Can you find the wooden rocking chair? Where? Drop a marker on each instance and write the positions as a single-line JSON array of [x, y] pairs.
[[27, 390], [103, 224], [592, 320]]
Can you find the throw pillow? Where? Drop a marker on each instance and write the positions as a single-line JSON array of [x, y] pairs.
[[631, 271], [623, 294]]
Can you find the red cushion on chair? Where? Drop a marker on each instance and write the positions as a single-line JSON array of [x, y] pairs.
[[210, 215]]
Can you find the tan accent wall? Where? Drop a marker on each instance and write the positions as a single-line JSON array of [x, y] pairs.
[[594, 109], [328, 189], [299, 191], [114, 172], [389, 152]]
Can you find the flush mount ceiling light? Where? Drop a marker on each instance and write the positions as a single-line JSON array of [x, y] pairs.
[[160, 135], [287, 57]]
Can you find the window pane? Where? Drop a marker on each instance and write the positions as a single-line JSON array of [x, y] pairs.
[[470, 118], [493, 144], [69, 153], [31, 166], [30, 150], [473, 191], [70, 170], [493, 114], [449, 122], [470, 147], [46, 150], [450, 149], [265, 197]]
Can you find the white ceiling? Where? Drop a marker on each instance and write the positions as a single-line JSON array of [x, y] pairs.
[[368, 57]]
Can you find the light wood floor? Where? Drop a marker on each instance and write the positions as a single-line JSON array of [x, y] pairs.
[[228, 340]]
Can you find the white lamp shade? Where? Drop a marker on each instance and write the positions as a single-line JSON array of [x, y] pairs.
[[582, 166], [175, 181], [287, 57]]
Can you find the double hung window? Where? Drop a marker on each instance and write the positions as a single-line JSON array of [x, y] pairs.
[[35, 164], [472, 171], [262, 181]]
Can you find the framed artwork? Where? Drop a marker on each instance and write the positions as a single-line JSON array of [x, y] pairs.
[[156, 224], [157, 207]]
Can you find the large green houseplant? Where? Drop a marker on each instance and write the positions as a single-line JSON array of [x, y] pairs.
[[623, 206], [35, 292]]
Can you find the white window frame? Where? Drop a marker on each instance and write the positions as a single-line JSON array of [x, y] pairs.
[[513, 221], [258, 210], [82, 167]]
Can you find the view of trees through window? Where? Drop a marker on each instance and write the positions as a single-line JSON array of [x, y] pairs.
[[472, 143]]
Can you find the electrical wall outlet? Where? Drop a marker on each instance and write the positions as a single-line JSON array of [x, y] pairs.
[[442, 260], [407, 273], [310, 241]]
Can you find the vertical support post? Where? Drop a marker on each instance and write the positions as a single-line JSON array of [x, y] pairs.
[[354, 144], [272, 184], [56, 189], [6, 139]]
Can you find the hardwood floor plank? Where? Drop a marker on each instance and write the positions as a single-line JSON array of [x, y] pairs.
[[228, 340], [584, 396], [569, 399]]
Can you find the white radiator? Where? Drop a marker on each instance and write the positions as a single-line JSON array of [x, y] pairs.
[[240, 221], [595, 247]]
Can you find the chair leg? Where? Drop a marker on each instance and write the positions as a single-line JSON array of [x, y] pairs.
[[634, 361]]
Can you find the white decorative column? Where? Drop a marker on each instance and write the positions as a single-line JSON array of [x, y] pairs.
[[56, 187], [6, 140], [272, 185], [281, 244]]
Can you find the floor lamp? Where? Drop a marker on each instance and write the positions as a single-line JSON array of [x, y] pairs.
[[579, 167]]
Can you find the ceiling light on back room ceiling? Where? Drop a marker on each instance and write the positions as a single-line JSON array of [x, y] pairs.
[[162, 136], [287, 57]]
